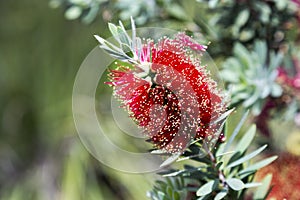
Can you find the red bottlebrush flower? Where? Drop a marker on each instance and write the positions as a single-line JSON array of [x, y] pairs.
[[169, 94]]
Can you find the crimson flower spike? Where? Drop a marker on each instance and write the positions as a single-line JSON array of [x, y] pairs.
[[165, 89]]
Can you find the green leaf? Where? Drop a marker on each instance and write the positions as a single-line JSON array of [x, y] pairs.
[[281, 4], [133, 33], [73, 12], [175, 173], [235, 132], [161, 185], [235, 184], [242, 17], [170, 160], [125, 48], [202, 198], [121, 29], [54, 3], [265, 11], [213, 3], [175, 196], [229, 75], [177, 184], [253, 184], [161, 195], [258, 165], [92, 14], [223, 116], [224, 154], [243, 55], [247, 157], [124, 38], [206, 189], [159, 151], [219, 165], [100, 39], [260, 48], [232, 64], [246, 140], [177, 11], [169, 191], [262, 191], [114, 31], [257, 107], [276, 60], [246, 34], [253, 98], [220, 195], [187, 170], [276, 90]]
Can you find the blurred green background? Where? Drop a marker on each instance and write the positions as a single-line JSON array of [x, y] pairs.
[[41, 156]]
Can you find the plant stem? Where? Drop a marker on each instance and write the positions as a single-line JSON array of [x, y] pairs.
[[214, 164]]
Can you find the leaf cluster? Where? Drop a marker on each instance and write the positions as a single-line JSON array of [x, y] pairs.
[[251, 75], [173, 188], [143, 11], [249, 20], [85, 10], [221, 173], [125, 49]]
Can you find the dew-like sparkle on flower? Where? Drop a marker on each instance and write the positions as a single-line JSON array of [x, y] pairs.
[[169, 94]]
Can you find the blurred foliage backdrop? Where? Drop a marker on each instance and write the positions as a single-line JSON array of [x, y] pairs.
[[41, 156]]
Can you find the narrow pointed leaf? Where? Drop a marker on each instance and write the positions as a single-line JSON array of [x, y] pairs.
[[175, 196], [170, 160], [220, 195], [174, 173], [236, 131], [123, 30], [133, 29], [251, 185], [100, 39], [226, 153], [223, 116], [206, 188], [258, 165], [243, 54], [246, 140], [261, 50], [123, 36], [114, 31], [247, 157], [263, 190], [159, 151]]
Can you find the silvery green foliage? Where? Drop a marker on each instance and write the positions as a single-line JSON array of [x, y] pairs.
[[142, 10], [173, 188], [127, 48], [124, 50], [225, 172], [251, 75], [86, 10], [247, 20]]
